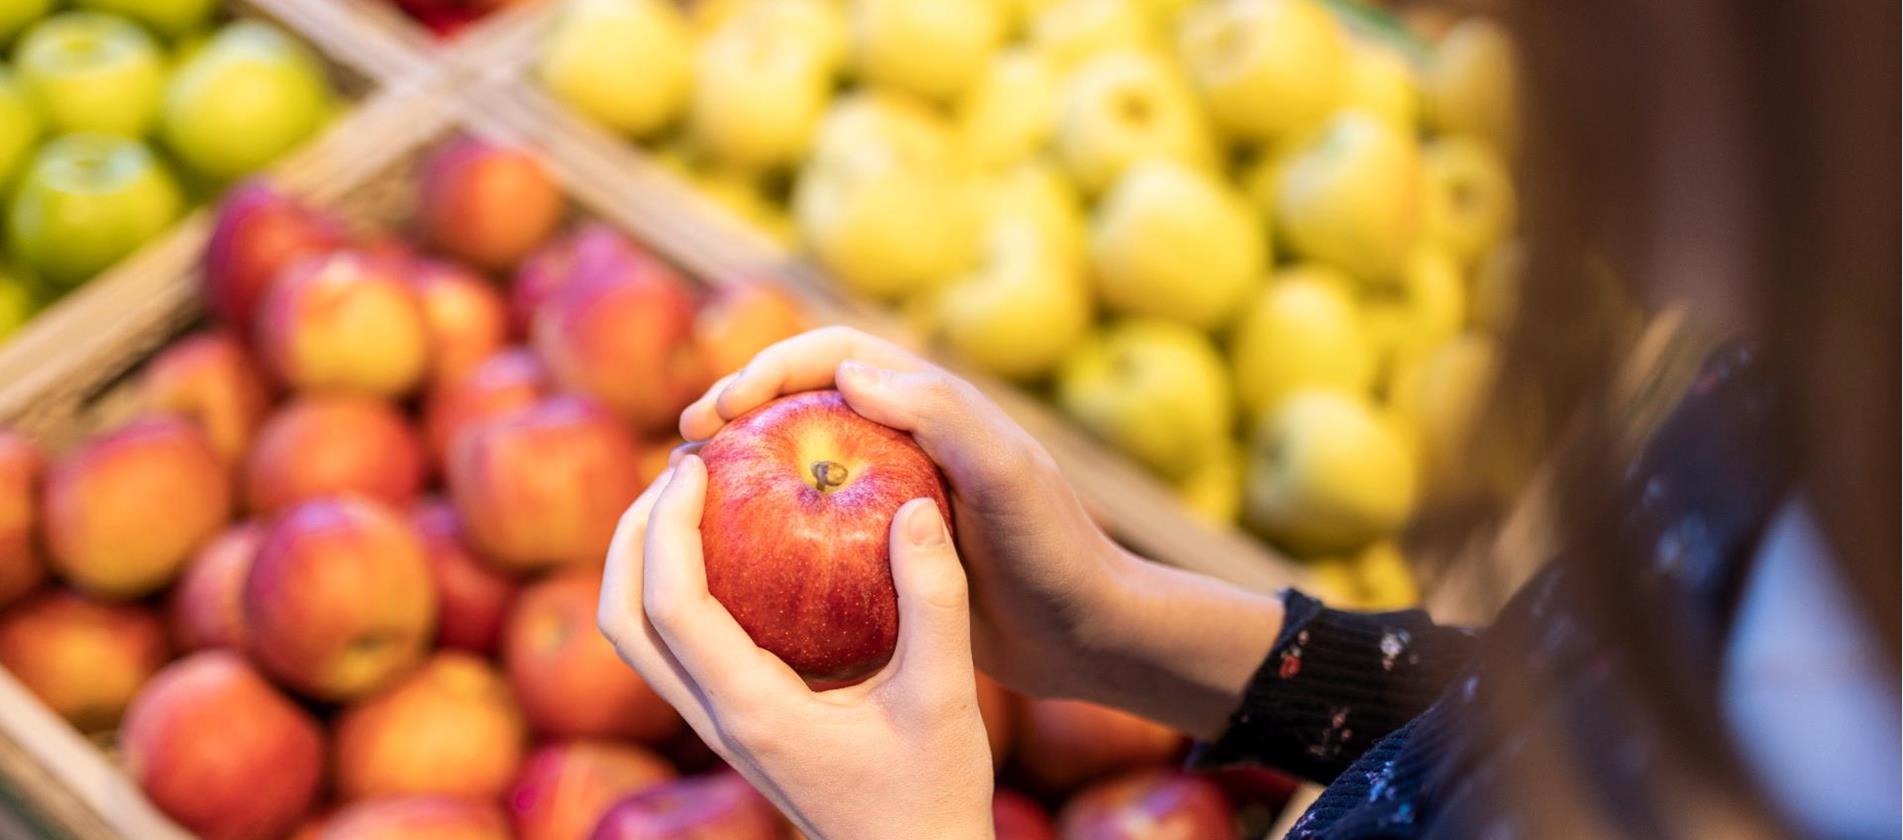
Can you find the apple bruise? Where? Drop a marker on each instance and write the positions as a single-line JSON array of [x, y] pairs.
[[796, 531]]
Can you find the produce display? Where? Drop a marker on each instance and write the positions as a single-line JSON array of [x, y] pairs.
[[448, 17], [335, 572], [116, 115], [1259, 246]]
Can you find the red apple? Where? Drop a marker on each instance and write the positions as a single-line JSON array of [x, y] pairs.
[[488, 204], [207, 605], [450, 728], [506, 381], [83, 659], [330, 444], [258, 233], [1155, 804], [1064, 743], [209, 379], [343, 321], [22, 566], [741, 320], [467, 319], [418, 818], [999, 710], [594, 248], [1018, 817], [474, 598], [567, 676], [564, 789], [797, 526], [544, 486], [722, 806], [220, 751], [339, 602], [625, 338], [126, 509]]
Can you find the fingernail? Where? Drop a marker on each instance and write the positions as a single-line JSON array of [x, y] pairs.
[[860, 374], [924, 527]]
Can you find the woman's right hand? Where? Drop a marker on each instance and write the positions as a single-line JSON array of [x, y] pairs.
[[1058, 609]]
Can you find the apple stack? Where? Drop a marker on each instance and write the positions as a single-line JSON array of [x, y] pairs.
[[101, 102], [1257, 252]]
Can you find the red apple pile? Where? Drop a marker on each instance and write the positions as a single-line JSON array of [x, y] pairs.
[[336, 575]]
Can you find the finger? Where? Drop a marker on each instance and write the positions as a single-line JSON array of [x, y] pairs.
[[674, 457], [698, 631], [620, 619], [801, 363], [955, 424], [933, 656], [700, 412]]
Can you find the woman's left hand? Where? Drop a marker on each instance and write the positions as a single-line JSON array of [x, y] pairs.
[[902, 754]]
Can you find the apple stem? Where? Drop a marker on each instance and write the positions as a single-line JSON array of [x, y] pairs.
[[828, 475]]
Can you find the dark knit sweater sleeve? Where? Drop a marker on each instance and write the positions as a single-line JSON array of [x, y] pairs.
[[1334, 683]]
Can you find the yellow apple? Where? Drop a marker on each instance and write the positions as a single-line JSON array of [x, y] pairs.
[[1036, 192], [1071, 31], [1009, 112], [1422, 311], [1473, 84], [926, 48], [758, 95], [1265, 68], [1328, 473], [1496, 288], [1170, 241], [1303, 331], [872, 130], [820, 24], [1468, 203], [626, 64], [1376, 579], [1155, 390], [1122, 107], [1213, 491], [1350, 197], [743, 194], [1440, 395], [1381, 83], [1024, 307]]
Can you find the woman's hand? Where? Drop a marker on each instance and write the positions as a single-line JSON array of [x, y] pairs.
[[902, 754], [1058, 609]]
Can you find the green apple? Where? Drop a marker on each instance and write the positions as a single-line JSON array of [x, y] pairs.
[[1122, 107], [1156, 390], [627, 64], [1170, 241], [1068, 32], [1423, 310], [1008, 114], [1440, 395], [1213, 491], [1020, 311], [1473, 84], [1301, 332], [1265, 68], [1328, 473], [1468, 203], [758, 96], [1351, 196], [926, 48], [169, 18], [19, 128], [1381, 83], [250, 95], [87, 200], [92, 72], [17, 15]]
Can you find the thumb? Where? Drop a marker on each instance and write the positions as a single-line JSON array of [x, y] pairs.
[[934, 646]]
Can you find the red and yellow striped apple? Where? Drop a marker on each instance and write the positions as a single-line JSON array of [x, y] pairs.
[[566, 675], [84, 659], [451, 728], [332, 444]]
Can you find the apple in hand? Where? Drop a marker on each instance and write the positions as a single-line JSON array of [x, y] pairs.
[[328, 444], [567, 676], [565, 788], [626, 64], [344, 321], [169, 18], [722, 806], [339, 601], [92, 72], [1171, 241], [87, 200], [207, 606], [20, 126], [1328, 473], [269, 761], [22, 565], [210, 379], [85, 660], [126, 509], [1150, 805], [1156, 390], [417, 818], [1123, 107], [486, 203], [1265, 68], [450, 728], [1304, 330], [797, 530], [922, 47], [245, 98], [257, 234], [475, 599]]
